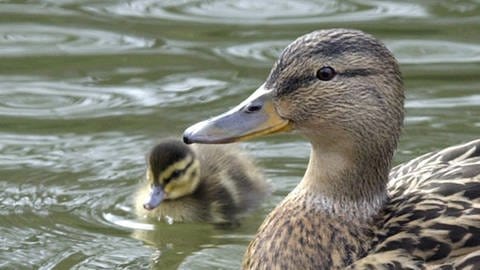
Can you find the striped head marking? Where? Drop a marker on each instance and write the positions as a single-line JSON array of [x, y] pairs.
[[173, 166]]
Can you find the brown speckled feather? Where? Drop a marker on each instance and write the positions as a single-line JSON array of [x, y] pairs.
[[431, 221], [294, 237], [433, 216]]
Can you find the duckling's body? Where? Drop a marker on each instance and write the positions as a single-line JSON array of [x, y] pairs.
[[220, 184], [342, 90]]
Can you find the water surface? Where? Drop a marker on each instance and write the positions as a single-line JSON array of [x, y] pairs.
[[88, 86]]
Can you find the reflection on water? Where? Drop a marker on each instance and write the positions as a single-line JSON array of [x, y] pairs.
[[435, 51], [215, 257], [34, 39], [261, 52], [88, 86], [33, 97], [253, 12], [106, 155], [127, 223], [454, 102]]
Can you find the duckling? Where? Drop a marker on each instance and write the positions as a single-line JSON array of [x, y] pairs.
[[342, 89], [201, 183]]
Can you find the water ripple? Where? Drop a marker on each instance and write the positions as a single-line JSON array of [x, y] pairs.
[[127, 223], [63, 244], [191, 88], [59, 246], [434, 51], [21, 198], [105, 155], [254, 12], [408, 52], [38, 39], [220, 257], [42, 98], [35, 8], [264, 53], [447, 102], [45, 98]]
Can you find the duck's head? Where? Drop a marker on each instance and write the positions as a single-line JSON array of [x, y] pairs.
[[337, 87], [173, 171]]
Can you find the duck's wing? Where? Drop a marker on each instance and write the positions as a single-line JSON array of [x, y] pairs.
[[432, 219], [437, 168]]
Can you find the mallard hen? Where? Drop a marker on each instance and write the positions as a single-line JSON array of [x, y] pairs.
[[342, 89], [213, 184]]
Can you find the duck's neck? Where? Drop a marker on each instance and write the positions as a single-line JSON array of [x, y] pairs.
[[345, 182], [330, 216]]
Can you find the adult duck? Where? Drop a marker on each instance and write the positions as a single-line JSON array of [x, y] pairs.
[[342, 89]]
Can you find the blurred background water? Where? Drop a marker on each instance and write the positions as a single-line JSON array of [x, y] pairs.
[[87, 86]]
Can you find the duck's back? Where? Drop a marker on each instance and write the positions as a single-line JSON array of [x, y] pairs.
[[432, 219], [230, 182]]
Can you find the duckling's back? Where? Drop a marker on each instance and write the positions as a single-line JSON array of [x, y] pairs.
[[230, 182]]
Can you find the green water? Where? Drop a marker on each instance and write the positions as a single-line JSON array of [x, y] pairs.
[[86, 88]]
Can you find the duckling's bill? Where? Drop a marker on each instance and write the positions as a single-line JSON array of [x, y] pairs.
[[155, 198], [254, 117]]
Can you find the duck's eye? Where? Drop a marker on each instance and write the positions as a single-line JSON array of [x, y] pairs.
[[176, 174], [326, 73]]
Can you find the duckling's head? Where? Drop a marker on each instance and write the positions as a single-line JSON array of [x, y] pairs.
[[338, 87], [173, 172]]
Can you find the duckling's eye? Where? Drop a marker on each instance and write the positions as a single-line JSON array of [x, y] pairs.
[[326, 73], [176, 174]]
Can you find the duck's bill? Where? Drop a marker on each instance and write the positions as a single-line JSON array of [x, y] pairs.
[[254, 117], [155, 198]]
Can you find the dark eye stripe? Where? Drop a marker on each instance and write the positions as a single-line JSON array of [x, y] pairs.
[[358, 72], [168, 179], [291, 84]]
